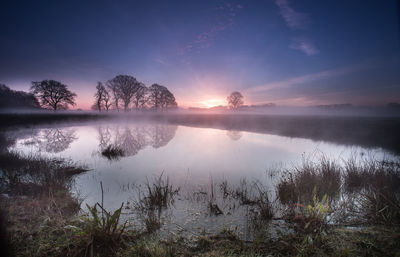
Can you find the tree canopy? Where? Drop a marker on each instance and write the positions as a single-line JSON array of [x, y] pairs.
[[161, 98], [235, 100], [131, 93], [16, 99], [53, 94], [102, 98], [124, 87]]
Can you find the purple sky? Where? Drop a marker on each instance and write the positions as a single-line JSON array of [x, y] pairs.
[[286, 52]]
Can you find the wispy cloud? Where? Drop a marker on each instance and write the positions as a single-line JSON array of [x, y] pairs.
[[299, 80], [293, 18], [297, 21], [161, 61], [225, 19], [305, 45]]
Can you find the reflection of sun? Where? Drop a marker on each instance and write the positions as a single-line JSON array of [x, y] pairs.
[[213, 102]]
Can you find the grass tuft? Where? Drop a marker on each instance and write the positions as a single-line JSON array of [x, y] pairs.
[[113, 152]]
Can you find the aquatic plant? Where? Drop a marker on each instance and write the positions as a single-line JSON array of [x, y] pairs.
[[103, 227], [112, 152], [298, 184], [153, 199]]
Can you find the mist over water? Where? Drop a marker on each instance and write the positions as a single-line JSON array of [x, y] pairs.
[[192, 156]]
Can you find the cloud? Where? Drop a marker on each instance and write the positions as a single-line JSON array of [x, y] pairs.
[[305, 45], [225, 19], [299, 80], [296, 20], [160, 61], [293, 19]]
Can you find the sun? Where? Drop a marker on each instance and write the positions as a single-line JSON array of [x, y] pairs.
[[213, 102]]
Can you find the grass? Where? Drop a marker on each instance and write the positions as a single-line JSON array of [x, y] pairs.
[[103, 228], [297, 185], [42, 216], [152, 199], [252, 194], [375, 188], [112, 152], [36, 201], [34, 175], [158, 193]]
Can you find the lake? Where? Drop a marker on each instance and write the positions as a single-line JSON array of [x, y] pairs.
[[195, 159]]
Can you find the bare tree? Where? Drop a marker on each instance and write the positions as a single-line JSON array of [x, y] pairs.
[[144, 101], [53, 94], [155, 92], [107, 100], [161, 98], [168, 100], [139, 99], [124, 88], [114, 89], [99, 97], [235, 100]]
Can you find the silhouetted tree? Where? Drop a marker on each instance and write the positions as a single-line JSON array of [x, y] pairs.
[[53, 94], [114, 90], [139, 99], [154, 100], [16, 99], [99, 97], [124, 87], [168, 100], [160, 97], [107, 100], [235, 100]]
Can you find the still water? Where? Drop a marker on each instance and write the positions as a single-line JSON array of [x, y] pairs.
[[192, 158]]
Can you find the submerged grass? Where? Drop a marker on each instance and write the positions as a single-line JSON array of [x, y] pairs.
[[297, 185], [363, 191], [375, 188], [35, 175], [157, 194], [112, 152], [152, 199]]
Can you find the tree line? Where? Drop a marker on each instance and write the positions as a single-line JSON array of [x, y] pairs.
[[122, 92], [125, 92], [17, 99]]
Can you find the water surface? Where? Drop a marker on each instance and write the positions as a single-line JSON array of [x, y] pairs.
[[192, 158]]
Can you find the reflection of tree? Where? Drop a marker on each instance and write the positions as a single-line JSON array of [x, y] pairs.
[[133, 139], [161, 134], [104, 137], [56, 140], [234, 134], [129, 140]]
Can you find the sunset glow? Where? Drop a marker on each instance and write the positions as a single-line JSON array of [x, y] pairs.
[[213, 102], [284, 52]]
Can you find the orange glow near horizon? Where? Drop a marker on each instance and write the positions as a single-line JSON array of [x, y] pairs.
[[209, 103]]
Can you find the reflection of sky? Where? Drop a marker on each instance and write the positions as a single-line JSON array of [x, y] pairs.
[[192, 156]]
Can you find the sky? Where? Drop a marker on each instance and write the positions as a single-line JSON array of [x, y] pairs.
[[288, 52]]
